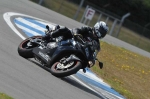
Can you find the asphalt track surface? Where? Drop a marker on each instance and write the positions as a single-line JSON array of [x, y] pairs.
[[25, 79]]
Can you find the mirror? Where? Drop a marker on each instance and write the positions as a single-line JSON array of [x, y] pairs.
[[100, 65]]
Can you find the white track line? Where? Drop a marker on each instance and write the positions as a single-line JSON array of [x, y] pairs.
[[30, 24], [28, 30]]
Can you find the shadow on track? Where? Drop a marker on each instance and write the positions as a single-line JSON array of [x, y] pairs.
[[78, 85], [71, 82]]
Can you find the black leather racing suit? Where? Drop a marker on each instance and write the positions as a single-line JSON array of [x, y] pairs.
[[87, 34]]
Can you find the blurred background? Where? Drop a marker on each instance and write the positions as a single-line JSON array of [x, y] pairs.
[[128, 20]]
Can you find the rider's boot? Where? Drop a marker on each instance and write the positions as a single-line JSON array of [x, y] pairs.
[[84, 70]]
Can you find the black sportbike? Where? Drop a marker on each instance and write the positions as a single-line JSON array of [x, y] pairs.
[[61, 57]]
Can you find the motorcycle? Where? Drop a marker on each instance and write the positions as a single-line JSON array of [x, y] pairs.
[[61, 57]]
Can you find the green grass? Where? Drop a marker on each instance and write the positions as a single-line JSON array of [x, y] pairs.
[[4, 96], [127, 72]]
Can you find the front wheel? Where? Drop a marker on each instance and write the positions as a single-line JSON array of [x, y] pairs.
[[60, 70], [25, 47]]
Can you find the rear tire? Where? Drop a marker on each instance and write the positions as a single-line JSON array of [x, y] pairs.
[[24, 52]]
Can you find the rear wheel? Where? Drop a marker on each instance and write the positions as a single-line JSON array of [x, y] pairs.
[[60, 70], [25, 47]]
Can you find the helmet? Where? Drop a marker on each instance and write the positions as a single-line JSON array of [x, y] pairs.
[[100, 29]]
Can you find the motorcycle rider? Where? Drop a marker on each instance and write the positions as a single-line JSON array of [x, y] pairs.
[[91, 35]]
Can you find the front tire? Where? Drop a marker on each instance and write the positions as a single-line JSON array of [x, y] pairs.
[[23, 50], [59, 72]]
